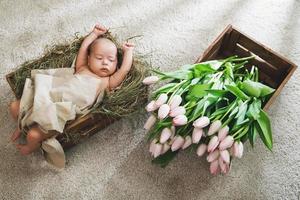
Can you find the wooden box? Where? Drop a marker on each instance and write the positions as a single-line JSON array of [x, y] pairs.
[[274, 70]]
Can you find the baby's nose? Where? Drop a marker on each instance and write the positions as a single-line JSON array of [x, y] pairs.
[[105, 61]]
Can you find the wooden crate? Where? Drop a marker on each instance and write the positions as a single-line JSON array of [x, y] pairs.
[[274, 70]]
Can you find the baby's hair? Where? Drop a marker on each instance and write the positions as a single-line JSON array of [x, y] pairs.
[[119, 51]]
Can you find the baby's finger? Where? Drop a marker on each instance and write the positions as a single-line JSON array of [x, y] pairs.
[[129, 44]]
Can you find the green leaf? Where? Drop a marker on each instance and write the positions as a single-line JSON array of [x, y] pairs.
[[255, 89], [199, 90], [218, 93], [265, 126], [164, 159], [242, 112], [265, 90], [201, 68], [252, 134], [251, 88], [237, 92], [254, 109], [229, 70]]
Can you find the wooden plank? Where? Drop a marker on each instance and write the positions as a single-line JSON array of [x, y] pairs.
[[264, 52], [277, 92]]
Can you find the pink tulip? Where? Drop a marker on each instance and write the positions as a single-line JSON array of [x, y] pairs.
[[213, 144], [213, 156], [165, 135], [150, 122], [180, 110], [225, 156], [197, 134], [152, 146], [162, 99], [201, 149], [214, 127], [223, 166], [177, 144], [238, 149], [201, 122], [226, 143], [163, 111], [187, 142], [151, 106], [180, 120], [175, 101], [214, 167], [157, 150], [223, 133], [150, 80], [166, 148]]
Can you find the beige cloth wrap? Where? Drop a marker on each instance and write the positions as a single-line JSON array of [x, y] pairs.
[[51, 98], [54, 96]]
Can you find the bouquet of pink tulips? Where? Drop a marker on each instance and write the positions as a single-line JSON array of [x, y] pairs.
[[211, 107]]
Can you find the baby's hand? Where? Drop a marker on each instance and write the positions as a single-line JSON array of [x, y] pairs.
[[127, 46], [99, 30]]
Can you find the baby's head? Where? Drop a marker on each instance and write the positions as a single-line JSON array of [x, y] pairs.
[[103, 57]]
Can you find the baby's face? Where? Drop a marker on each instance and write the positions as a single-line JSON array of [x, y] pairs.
[[102, 59]]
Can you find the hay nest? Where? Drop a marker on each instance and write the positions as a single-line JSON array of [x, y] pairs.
[[124, 100]]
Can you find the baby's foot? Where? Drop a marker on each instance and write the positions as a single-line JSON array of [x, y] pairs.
[[16, 134], [27, 149]]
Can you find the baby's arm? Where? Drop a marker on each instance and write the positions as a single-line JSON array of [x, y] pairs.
[[82, 57], [116, 79]]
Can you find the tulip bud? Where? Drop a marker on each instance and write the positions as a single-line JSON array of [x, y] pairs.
[[177, 144], [201, 149], [161, 100], [166, 147], [165, 135], [214, 167], [180, 120], [214, 127], [197, 134], [152, 146], [150, 122], [225, 156], [223, 133], [180, 110], [157, 150], [238, 149], [201, 122], [151, 106], [213, 156], [150, 80], [187, 142], [223, 166], [175, 101], [226, 143], [213, 143], [163, 111]]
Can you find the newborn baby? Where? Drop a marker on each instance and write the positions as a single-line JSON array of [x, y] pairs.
[[96, 59]]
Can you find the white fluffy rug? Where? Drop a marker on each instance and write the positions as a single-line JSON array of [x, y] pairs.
[[115, 163]]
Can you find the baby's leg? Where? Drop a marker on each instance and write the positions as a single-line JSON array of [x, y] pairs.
[[14, 109], [34, 138]]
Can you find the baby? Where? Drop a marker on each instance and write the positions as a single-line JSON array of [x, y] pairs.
[[97, 57]]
